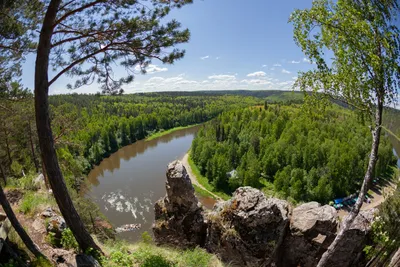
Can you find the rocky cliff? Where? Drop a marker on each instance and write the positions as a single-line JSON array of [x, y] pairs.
[[253, 230]]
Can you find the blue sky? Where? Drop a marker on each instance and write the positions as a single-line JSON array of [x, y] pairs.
[[234, 44]]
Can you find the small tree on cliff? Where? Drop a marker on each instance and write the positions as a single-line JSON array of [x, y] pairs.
[[364, 71], [86, 39]]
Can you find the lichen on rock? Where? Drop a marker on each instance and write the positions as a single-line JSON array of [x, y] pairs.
[[248, 229]]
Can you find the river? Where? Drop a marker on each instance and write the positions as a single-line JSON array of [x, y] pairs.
[[126, 185]]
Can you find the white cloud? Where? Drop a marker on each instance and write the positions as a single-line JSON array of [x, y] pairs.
[[217, 58], [227, 81], [155, 79], [256, 81], [257, 74], [223, 77], [205, 57], [295, 62], [264, 66], [306, 60], [272, 68], [277, 65], [285, 71], [294, 78], [151, 69]]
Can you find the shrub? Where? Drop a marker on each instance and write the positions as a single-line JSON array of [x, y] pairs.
[[52, 239], [196, 258], [146, 238], [27, 183], [68, 240], [156, 261], [121, 259]]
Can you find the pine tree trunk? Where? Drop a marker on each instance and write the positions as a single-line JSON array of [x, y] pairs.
[[376, 134], [3, 174], [32, 147], [7, 148], [46, 178], [17, 226], [46, 141]]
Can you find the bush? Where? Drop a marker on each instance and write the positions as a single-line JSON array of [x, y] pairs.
[[27, 183], [146, 238], [196, 258], [121, 259], [52, 239], [156, 261], [68, 240]]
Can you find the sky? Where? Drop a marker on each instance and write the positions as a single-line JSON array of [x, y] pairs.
[[234, 44]]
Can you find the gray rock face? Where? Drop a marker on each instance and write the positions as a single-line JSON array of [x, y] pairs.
[[179, 218], [312, 229], [252, 230], [349, 251], [56, 223], [248, 229]]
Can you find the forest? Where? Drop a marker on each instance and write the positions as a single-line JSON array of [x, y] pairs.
[[88, 128], [281, 148], [352, 52]]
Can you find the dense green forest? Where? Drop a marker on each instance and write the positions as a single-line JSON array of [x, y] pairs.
[[283, 149], [88, 128]]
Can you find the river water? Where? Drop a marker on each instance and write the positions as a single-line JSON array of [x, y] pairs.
[[127, 184]]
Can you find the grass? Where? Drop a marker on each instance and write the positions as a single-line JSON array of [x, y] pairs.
[[204, 181], [201, 192], [164, 132], [32, 202], [146, 254]]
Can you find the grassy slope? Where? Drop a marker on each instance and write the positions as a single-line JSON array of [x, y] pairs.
[[204, 181], [117, 252], [146, 253], [159, 134]]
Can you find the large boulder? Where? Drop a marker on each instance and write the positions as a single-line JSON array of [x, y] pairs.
[[349, 252], [179, 218], [54, 223], [312, 229], [248, 229]]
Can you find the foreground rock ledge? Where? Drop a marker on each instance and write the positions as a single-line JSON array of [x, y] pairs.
[[252, 230]]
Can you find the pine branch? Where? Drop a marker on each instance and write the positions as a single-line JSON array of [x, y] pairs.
[[82, 8]]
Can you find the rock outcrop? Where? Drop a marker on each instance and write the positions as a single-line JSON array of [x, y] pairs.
[[252, 230], [248, 229], [179, 217], [55, 223], [349, 251], [312, 229]]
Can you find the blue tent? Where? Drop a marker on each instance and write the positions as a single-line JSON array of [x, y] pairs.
[[338, 200]]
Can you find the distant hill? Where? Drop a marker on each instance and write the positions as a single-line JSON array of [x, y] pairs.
[[272, 95]]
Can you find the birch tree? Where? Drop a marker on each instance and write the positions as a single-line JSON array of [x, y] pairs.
[[355, 45]]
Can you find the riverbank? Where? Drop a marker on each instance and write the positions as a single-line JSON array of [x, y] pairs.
[[378, 193], [200, 182], [165, 132]]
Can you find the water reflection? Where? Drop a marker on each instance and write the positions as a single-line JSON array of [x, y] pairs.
[[128, 183]]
